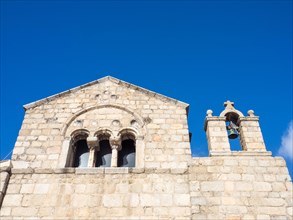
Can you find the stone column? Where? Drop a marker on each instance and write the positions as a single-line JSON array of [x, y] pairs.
[[92, 143], [115, 145], [250, 133], [217, 136]]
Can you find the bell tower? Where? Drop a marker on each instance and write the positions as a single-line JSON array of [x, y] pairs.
[[233, 124]]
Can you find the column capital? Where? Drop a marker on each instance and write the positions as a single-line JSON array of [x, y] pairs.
[[92, 142], [115, 143]]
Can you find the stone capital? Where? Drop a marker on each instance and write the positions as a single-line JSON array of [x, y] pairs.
[[115, 143], [92, 142]]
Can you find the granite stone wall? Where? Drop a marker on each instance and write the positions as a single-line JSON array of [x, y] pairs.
[[166, 182], [210, 188]]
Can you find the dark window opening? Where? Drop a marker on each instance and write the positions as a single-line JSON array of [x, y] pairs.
[[81, 154], [104, 155], [126, 156]]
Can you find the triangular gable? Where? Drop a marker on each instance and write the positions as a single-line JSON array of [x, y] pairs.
[[112, 79]]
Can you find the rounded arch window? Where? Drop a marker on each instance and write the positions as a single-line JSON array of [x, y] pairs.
[[103, 155], [126, 155], [80, 150]]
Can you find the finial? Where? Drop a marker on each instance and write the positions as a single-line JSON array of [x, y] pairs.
[[250, 113], [209, 113], [229, 105]]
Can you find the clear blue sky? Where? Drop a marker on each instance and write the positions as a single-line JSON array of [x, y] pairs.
[[199, 52]]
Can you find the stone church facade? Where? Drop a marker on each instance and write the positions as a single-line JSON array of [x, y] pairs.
[[112, 150]]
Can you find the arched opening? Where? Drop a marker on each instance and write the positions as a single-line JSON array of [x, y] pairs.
[[126, 156], [81, 154], [232, 127], [104, 153], [78, 153]]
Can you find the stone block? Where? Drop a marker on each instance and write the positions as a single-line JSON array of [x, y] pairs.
[[12, 200], [233, 209], [179, 211], [262, 186], [244, 186], [111, 170], [198, 201], [229, 201], [133, 200], [80, 200], [181, 199], [45, 211], [234, 217], [181, 188], [5, 211], [263, 217], [290, 211], [279, 187], [166, 200], [268, 210], [27, 188], [41, 188], [24, 212], [212, 186], [149, 200], [112, 200]]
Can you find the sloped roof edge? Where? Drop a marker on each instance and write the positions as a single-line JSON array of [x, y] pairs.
[[113, 79]]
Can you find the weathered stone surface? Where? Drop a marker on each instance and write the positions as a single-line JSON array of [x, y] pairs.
[[166, 182]]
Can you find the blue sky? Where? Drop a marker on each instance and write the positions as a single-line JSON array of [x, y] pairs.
[[199, 52]]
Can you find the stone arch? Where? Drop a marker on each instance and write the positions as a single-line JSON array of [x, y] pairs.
[[78, 137], [138, 118], [233, 111], [103, 151], [104, 132], [127, 155], [97, 122], [75, 134], [231, 117], [128, 131]]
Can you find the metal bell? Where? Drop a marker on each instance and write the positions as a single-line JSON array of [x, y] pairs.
[[232, 133], [232, 130]]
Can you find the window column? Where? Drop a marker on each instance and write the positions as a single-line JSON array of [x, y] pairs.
[[115, 145], [93, 144]]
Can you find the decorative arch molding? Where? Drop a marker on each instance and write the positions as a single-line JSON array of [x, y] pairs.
[[79, 132], [226, 111], [83, 111], [229, 108], [128, 132], [103, 132]]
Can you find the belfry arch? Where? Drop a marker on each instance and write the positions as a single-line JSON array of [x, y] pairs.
[[246, 127]]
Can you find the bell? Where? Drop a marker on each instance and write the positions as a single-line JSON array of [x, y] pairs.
[[232, 133], [232, 130]]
